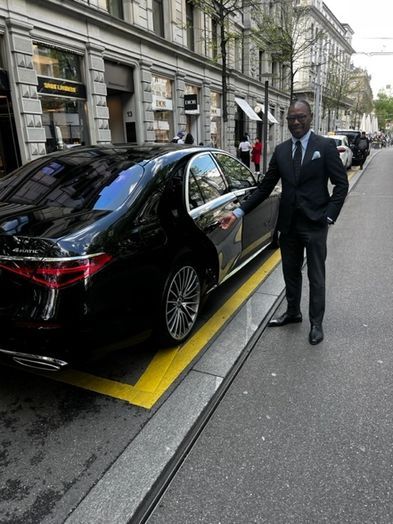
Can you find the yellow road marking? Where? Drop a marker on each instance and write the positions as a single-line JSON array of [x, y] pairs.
[[168, 364]]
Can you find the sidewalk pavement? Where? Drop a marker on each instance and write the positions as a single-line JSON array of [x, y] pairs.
[[304, 433], [118, 494]]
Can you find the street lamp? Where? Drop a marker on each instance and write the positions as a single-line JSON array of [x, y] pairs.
[[265, 121]]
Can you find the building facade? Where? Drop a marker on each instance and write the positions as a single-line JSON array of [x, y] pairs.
[[324, 74], [100, 71]]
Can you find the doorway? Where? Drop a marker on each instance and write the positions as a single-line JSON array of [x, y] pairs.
[[9, 146]]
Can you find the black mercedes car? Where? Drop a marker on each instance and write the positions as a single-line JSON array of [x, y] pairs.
[[100, 246]]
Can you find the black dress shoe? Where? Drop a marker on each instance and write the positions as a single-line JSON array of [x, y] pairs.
[[286, 318], [316, 334]]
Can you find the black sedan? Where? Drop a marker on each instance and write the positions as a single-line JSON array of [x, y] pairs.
[[101, 246]]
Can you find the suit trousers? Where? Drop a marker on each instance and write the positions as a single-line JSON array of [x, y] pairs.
[[311, 236]]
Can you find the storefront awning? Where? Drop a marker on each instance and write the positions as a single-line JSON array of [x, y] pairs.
[[270, 117], [245, 106]]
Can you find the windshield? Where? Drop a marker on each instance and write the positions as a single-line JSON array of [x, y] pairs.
[[87, 180]]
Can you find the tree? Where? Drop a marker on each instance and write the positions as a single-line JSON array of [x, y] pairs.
[[384, 110], [361, 95], [284, 28], [223, 13], [337, 91]]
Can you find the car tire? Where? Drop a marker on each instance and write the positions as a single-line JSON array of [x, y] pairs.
[[181, 300]]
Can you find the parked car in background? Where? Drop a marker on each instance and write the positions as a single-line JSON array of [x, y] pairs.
[[100, 246], [343, 149], [353, 136]]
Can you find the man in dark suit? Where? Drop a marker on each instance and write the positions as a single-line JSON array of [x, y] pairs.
[[304, 163]]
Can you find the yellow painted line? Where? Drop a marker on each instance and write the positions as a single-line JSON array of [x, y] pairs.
[[168, 364]]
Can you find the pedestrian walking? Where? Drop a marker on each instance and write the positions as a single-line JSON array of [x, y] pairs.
[[304, 163], [256, 154], [189, 139], [244, 150], [179, 138], [363, 144]]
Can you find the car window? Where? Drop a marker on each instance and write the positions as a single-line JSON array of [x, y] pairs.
[[205, 182], [237, 173], [101, 183]]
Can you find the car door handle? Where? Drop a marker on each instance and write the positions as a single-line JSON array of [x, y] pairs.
[[214, 225]]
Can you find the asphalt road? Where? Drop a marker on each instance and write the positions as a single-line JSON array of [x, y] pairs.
[[57, 440], [304, 433]]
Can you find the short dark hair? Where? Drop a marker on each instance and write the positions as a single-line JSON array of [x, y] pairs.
[[300, 101]]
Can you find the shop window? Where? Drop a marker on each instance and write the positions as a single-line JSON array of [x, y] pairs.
[[163, 108], [63, 120], [55, 63], [163, 128], [215, 119]]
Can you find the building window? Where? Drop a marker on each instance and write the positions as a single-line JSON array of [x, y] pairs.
[[190, 25], [62, 96], [261, 69], [162, 106], [64, 122], [239, 53], [158, 17], [114, 7], [55, 63], [214, 38], [215, 119]]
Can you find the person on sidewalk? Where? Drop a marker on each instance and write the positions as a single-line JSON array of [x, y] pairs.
[[256, 154], [244, 151], [305, 163], [363, 144]]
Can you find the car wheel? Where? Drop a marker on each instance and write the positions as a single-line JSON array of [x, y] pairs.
[[180, 304]]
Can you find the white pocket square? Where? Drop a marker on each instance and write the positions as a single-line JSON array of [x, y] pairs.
[[316, 155]]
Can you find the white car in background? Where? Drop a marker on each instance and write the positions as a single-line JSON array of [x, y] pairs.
[[343, 149]]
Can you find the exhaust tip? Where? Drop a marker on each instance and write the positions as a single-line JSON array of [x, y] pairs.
[[42, 365], [30, 360]]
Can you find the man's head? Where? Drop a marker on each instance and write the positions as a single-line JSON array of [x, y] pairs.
[[299, 118]]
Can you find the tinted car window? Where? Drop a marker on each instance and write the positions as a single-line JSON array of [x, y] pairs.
[[237, 174], [100, 183], [205, 176]]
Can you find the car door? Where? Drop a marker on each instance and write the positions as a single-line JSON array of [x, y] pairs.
[[258, 225], [208, 199]]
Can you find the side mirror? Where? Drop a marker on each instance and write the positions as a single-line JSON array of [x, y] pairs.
[[260, 177]]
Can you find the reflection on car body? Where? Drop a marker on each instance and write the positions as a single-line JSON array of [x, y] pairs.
[[102, 245]]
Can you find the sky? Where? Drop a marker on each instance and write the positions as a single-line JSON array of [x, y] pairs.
[[372, 22]]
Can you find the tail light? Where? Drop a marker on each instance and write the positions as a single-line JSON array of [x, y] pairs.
[[341, 149], [56, 273]]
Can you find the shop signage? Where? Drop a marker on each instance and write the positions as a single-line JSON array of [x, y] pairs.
[[190, 102], [53, 86], [160, 103]]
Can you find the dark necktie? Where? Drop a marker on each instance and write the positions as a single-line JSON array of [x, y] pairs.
[[297, 160]]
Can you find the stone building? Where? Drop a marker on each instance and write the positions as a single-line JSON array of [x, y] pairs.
[[98, 71], [324, 77]]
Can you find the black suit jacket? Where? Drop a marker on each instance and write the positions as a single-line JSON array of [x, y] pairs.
[[310, 193]]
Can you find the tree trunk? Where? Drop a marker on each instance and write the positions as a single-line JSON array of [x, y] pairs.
[[223, 45]]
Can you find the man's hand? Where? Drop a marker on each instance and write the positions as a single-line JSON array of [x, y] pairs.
[[227, 221]]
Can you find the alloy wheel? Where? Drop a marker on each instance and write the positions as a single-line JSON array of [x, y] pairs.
[[182, 302]]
